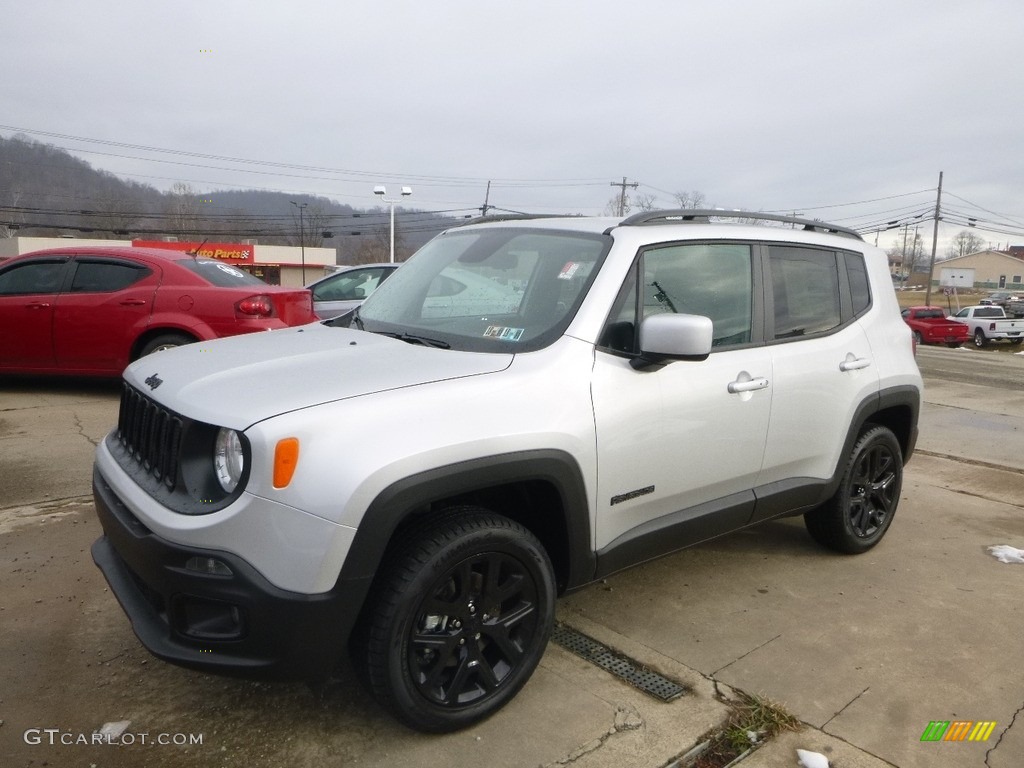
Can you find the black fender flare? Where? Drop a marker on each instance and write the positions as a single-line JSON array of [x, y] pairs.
[[405, 497]]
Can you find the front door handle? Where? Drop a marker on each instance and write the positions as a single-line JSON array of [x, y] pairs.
[[133, 302], [37, 305], [750, 385]]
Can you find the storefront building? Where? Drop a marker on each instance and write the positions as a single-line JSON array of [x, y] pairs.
[[274, 264]]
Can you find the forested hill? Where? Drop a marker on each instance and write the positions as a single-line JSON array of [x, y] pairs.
[[46, 191]]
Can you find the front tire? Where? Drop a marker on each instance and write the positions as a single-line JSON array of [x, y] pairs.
[[457, 621], [918, 338], [856, 518]]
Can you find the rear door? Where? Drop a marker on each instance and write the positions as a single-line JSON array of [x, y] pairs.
[[28, 294], [105, 307], [822, 363]]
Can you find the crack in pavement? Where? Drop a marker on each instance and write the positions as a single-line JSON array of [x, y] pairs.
[[1005, 730], [971, 462], [81, 431], [740, 658], [847, 704], [627, 718]]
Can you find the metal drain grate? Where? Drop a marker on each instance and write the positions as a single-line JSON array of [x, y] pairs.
[[587, 648]]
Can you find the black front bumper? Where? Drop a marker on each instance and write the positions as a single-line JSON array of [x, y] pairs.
[[237, 624]]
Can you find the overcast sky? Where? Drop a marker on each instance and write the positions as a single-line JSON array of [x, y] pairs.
[[776, 106]]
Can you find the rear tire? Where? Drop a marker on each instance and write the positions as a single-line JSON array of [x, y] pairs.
[[457, 620], [856, 518], [165, 341], [979, 338], [918, 337]]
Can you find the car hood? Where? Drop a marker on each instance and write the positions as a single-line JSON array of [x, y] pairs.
[[238, 381]]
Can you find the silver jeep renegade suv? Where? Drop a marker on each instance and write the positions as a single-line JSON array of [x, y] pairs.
[[524, 407]]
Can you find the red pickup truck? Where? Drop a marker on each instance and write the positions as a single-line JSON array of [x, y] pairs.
[[930, 326]]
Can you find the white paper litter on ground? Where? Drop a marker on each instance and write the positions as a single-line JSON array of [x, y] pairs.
[[1004, 553], [115, 729], [811, 759]]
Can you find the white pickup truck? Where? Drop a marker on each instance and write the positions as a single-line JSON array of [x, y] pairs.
[[990, 323]]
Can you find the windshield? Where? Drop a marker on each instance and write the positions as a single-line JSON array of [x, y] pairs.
[[492, 290]]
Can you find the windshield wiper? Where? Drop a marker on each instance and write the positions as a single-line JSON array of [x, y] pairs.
[[412, 338]]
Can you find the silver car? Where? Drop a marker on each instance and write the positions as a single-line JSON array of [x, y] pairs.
[[344, 290]]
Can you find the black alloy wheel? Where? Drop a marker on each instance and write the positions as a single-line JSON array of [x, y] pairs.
[[457, 622], [856, 518]]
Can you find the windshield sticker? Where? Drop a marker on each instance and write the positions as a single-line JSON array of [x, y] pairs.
[[570, 269], [505, 334]]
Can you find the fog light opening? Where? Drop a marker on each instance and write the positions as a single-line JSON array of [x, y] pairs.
[[208, 566]]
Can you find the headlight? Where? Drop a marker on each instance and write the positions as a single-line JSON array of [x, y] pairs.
[[228, 459]]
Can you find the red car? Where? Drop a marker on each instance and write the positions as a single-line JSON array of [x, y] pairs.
[[91, 311]]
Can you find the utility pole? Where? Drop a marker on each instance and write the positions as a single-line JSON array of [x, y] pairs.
[[622, 192], [302, 237], [487, 197], [935, 242], [903, 257]]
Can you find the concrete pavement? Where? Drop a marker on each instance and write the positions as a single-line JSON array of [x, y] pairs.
[[865, 650]]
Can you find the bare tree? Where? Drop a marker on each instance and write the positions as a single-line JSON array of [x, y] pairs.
[[182, 210], [114, 214], [310, 226], [964, 243], [617, 202], [692, 199], [644, 202], [909, 252]]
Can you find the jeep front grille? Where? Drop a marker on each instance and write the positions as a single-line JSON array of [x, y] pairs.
[[150, 434]]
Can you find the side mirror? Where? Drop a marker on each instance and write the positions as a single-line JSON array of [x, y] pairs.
[[673, 336]]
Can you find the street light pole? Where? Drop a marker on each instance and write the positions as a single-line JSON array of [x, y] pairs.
[[382, 191], [302, 237]]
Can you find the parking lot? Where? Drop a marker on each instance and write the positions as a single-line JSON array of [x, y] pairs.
[[866, 650]]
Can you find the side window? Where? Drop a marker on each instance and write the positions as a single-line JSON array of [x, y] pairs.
[[350, 286], [105, 276], [858, 277], [34, 277], [709, 279], [805, 288], [961, 313], [905, 313], [713, 280]]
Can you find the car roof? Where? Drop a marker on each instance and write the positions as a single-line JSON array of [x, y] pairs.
[[113, 250], [718, 221]]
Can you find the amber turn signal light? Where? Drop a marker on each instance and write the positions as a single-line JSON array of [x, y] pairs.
[[286, 458]]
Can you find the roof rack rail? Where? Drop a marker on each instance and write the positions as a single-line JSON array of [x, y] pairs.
[[511, 217], [705, 215]]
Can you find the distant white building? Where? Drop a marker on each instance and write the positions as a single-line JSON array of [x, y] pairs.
[[275, 264], [992, 269]]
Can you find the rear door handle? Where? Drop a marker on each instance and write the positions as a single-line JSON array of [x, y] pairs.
[[852, 363], [37, 305], [751, 385], [133, 302]]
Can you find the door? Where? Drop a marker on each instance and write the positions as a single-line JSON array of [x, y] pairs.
[[28, 293], [822, 361], [680, 447], [106, 306]]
